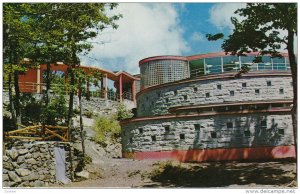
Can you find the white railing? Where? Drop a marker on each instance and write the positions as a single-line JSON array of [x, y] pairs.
[[208, 69]]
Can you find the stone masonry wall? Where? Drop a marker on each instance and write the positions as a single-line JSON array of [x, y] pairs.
[[31, 164], [158, 101], [251, 130]]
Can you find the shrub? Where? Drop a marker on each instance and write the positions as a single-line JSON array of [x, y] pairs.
[[123, 113], [106, 128]]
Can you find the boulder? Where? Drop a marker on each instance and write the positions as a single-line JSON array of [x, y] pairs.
[[8, 166], [21, 159], [31, 161], [83, 174], [5, 177], [13, 154], [23, 151], [30, 177], [23, 172], [14, 177]]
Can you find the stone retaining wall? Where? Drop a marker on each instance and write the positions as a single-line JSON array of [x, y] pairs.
[[157, 101], [32, 164], [220, 131]]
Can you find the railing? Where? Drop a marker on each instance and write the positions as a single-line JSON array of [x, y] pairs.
[[30, 87], [208, 69], [40, 133]]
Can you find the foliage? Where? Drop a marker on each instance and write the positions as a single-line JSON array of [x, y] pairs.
[[106, 128], [56, 111], [123, 112]]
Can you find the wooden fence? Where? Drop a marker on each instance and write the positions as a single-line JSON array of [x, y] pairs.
[[40, 133]]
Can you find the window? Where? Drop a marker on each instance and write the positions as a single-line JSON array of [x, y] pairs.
[[197, 127], [175, 92], [229, 125], [219, 86], [167, 100], [185, 97], [263, 124], [158, 94], [140, 130], [244, 84], [153, 138], [207, 95], [281, 91], [269, 83], [182, 136], [256, 91], [231, 93], [131, 140], [195, 89], [167, 129], [281, 131], [247, 133], [213, 134]]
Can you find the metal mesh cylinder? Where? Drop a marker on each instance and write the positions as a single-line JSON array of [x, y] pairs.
[[163, 70]]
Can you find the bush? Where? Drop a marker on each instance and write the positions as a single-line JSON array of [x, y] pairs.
[[106, 128], [123, 113]]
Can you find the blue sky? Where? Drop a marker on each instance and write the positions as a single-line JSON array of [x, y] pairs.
[[151, 29]]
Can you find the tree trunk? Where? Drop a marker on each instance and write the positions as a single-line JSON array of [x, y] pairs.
[[11, 102], [81, 123], [71, 96], [293, 64], [17, 98], [47, 84]]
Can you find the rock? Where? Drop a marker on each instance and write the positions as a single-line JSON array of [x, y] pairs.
[[8, 166], [8, 183], [23, 151], [30, 177], [14, 177], [83, 174], [35, 155], [31, 161], [5, 158], [24, 184], [23, 172], [15, 165], [5, 177], [21, 159], [38, 183], [13, 154], [27, 156]]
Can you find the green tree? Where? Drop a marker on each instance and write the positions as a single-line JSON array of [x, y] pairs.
[[15, 45], [81, 22], [259, 31]]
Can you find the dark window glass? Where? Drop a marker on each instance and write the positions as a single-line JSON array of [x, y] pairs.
[[281, 131], [256, 91], [213, 134], [195, 89], [244, 85], [281, 91], [207, 95], [167, 129], [185, 97], [231, 93], [269, 83], [153, 138], [197, 127], [182, 136], [247, 133], [175, 92], [140, 130], [263, 123], [219, 86], [229, 125]]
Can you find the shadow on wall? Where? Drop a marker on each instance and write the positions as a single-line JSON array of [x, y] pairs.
[[247, 138]]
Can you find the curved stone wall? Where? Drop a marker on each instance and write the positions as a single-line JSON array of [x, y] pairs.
[[208, 132], [211, 90]]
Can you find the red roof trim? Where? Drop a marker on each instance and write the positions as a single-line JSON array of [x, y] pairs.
[[162, 58]]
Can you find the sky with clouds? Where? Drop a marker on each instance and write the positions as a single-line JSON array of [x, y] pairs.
[[151, 29]]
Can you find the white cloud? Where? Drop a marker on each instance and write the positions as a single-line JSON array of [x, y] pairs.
[[146, 29], [220, 14], [197, 37]]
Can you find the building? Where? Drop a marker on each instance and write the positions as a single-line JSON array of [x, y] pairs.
[[32, 81], [195, 109]]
